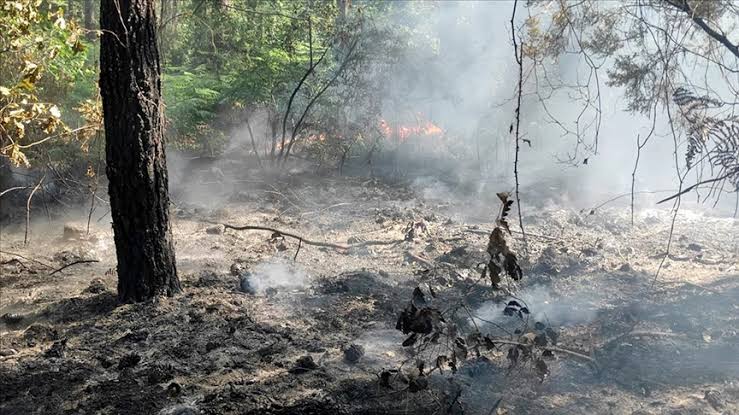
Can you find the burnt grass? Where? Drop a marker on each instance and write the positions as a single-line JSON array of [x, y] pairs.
[[68, 347]]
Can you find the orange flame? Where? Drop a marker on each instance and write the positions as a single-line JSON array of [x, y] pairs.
[[404, 132]]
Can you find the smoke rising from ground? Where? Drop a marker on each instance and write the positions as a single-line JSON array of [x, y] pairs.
[[575, 308], [467, 85], [279, 275]]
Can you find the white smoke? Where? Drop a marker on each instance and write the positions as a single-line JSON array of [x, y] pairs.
[[277, 274], [544, 306]]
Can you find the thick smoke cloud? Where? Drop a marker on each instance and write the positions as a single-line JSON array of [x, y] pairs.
[[458, 72], [466, 84]]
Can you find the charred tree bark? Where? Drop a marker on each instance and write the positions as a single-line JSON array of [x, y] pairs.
[[134, 147]]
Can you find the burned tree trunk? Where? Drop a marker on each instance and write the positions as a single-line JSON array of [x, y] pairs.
[[136, 163]]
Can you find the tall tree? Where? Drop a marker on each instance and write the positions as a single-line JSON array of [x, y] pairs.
[[136, 163]]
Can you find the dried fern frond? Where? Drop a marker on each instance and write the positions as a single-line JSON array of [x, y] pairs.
[[718, 138]]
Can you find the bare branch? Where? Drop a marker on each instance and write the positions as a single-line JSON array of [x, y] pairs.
[[721, 38]]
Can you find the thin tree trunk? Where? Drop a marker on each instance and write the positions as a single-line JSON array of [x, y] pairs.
[[343, 6], [70, 10], [168, 17], [253, 142], [88, 14], [273, 125], [136, 163]]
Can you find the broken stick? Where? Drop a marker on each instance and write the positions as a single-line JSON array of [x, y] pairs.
[[27, 259], [342, 247], [81, 261]]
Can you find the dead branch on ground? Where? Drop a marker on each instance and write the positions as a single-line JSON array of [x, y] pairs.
[[551, 349], [419, 259], [81, 261], [15, 261], [325, 209], [640, 333], [26, 258], [341, 247]]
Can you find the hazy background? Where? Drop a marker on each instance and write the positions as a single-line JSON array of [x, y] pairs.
[[464, 81]]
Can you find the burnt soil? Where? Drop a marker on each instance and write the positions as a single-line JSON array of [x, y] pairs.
[[662, 346]]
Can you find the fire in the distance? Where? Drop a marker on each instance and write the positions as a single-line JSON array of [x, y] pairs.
[[421, 128], [401, 132]]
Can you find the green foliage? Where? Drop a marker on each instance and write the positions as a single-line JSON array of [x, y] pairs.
[[195, 97], [43, 54], [650, 45], [220, 62], [223, 57]]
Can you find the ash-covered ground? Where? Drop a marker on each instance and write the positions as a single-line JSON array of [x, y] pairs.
[[270, 325]]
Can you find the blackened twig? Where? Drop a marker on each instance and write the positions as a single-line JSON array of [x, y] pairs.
[[80, 261], [689, 188], [300, 243], [26, 258]]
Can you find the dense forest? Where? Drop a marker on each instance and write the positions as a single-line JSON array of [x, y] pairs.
[[361, 206]]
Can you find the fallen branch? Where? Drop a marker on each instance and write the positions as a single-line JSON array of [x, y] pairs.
[[638, 333], [325, 209], [27, 259], [341, 247], [15, 261], [419, 259], [81, 261], [552, 349]]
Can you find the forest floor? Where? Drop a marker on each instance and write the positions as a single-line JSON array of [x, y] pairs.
[[664, 346]]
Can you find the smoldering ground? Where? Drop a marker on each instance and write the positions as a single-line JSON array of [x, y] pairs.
[[660, 343], [589, 276]]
